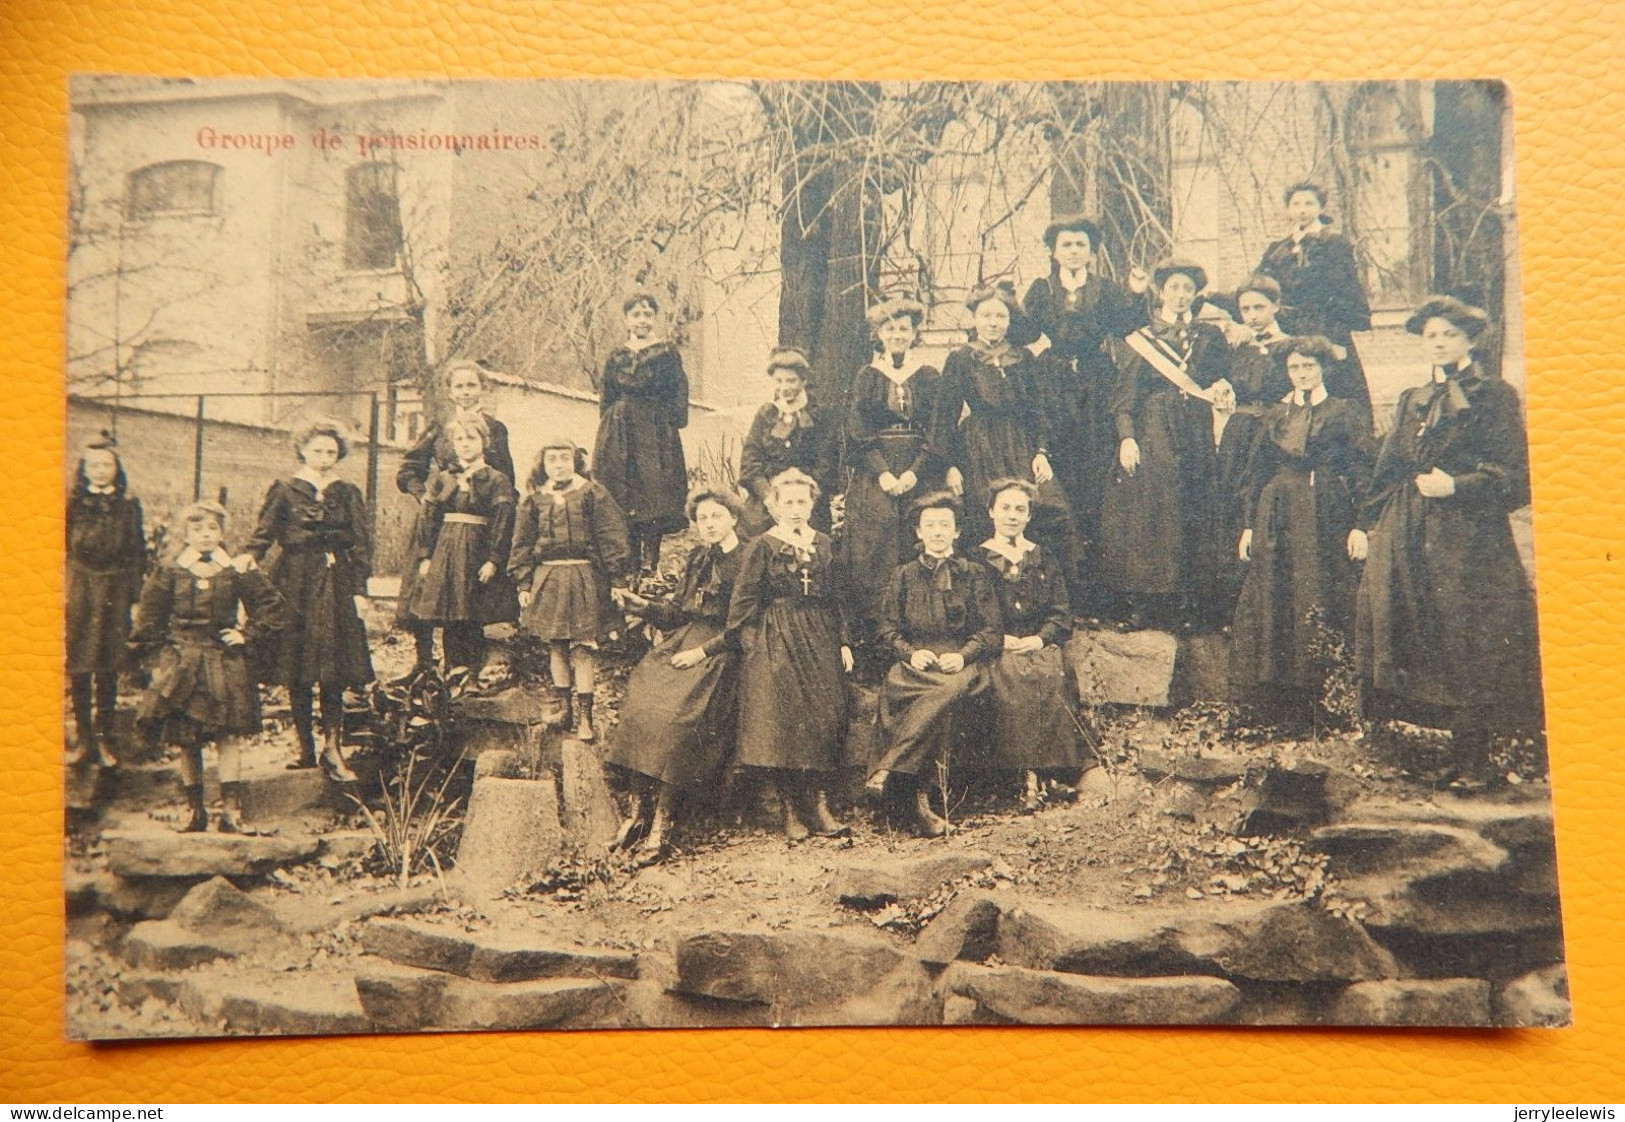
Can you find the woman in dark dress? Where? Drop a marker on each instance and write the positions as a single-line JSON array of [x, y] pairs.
[[643, 405], [1308, 470], [433, 453], [1033, 728], [1320, 288], [107, 552], [464, 532], [677, 722], [1156, 509], [789, 432], [1445, 619], [892, 463], [942, 625], [1007, 429], [321, 525], [787, 618], [1077, 311], [201, 687], [570, 552]]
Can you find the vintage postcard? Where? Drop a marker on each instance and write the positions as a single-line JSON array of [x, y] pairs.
[[551, 554]]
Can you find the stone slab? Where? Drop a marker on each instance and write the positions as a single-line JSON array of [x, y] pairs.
[[876, 883], [1013, 995], [1132, 668], [165, 853], [489, 956], [511, 829], [1415, 1003]]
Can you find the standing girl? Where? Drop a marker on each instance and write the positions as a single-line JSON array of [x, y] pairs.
[[464, 531], [1445, 618], [107, 551], [677, 722], [639, 455], [569, 549], [1305, 477], [787, 617], [464, 382], [321, 524], [791, 431], [892, 462], [201, 687]]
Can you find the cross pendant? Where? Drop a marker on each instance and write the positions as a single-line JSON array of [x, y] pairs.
[[806, 582]]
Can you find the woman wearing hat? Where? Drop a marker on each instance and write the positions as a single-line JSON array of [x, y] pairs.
[[1156, 508], [1077, 310], [990, 421], [1320, 287], [1445, 618], [893, 465], [790, 431], [638, 456]]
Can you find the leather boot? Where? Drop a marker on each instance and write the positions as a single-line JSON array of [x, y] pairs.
[[820, 821], [231, 819], [332, 759], [927, 823], [199, 822], [584, 731], [654, 848], [563, 716], [1031, 799], [304, 726], [635, 825], [794, 829]]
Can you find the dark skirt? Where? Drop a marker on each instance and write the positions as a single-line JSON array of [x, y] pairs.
[[1033, 729], [567, 602], [205, 682], [676, 725], [1085, 438], [792, 690], [1152, 522], [1444, 617], [876, 536], [923, 713], [450, 592], [996, 446], [98, 618], [639, 459], [1299, 586], [324, 640]]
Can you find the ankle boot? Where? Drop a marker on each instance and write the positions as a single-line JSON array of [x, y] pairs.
[[231, 819], [820, 821], [1031, 799], [654, 848], [563, 716], [584, 730], [794, 829], [635, 825], [332, 759], [199, 822], [926, 822]]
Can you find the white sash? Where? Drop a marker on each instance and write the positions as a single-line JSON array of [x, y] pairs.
[[1158, 356]]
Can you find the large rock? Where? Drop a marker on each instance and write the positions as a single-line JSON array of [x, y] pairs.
[[511, 829], [873, 884], [1011, 995], [161, 944], [1289, 942], [1291, 798], [1415, 1003], [164, 853], [401, 998], [1361, 847], [488, 956], [967, 929], [589, 817], [217, 906], [214, 920], [274, 792], [1136, 668], [284, 1004], [136, 898], [1536, 1000]]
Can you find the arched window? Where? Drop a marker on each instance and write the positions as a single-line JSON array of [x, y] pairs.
[[372, 229], [176, 187]]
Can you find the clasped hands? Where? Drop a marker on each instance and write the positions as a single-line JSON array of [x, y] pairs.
[[951, 663]]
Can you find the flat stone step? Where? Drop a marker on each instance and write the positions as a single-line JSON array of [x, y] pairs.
[[287, 1003], [162, 944], [1012, 995], [167, 853], [403, 998], [489, 956], [875, 884], [1415, 1003]]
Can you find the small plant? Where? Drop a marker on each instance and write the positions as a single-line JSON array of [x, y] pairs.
[[1337, 705], [418, 820], [715, 463]]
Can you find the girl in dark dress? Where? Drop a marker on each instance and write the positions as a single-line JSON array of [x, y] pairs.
[[321, 524], [1033, 727], [1156, 509], [787, 618], [1445, 617], [464, 531], [1008, 428], [201, 687], [677, 722], [432, 454], [892, 463], [788, 432], [643, 405], [570, 549], [1306, 475], [107, 551], [942, 624], [1320, 288]]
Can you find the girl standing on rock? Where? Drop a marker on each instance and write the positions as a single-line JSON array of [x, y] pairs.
[[464, 531], [677, 723], [788, 618], [201, 687], [570, 548], [321, 525], [434, 453], [791, 431], [107, 551], [643, 406]]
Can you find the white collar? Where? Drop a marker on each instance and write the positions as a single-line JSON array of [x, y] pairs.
[[1183, 317], [310, 477], [912, 363], [476, 410], [92, 489], [1316, 396], [789, 409], [576, 483], [637, 346], [1440, 373], [804, 539], [1077, 277], [1299, 234], [1011, 553], [189, 557], [1221, 421]]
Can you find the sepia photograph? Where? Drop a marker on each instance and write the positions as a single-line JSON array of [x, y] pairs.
[[655, 554]]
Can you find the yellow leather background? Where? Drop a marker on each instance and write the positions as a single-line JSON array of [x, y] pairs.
[[1566, 66]]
